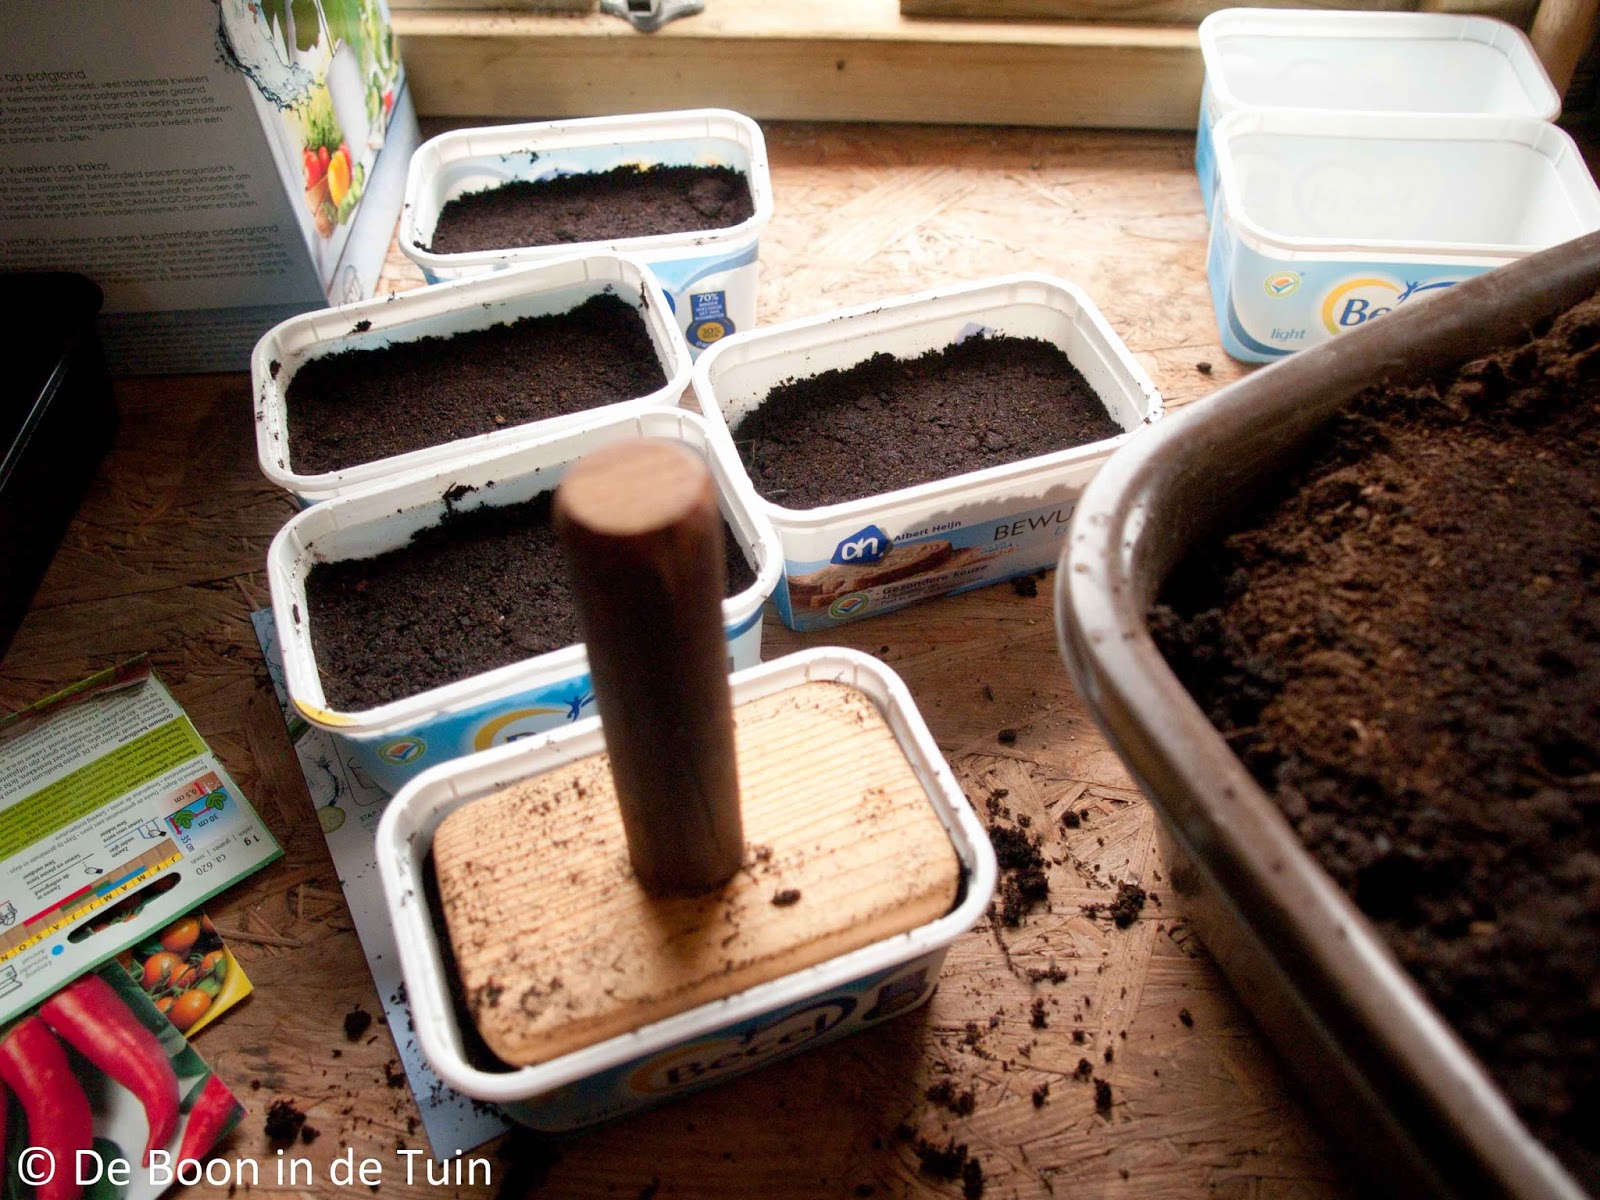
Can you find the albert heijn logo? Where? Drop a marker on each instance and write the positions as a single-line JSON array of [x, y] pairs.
[[864, 546]]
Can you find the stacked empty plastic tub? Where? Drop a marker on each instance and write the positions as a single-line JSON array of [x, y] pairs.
[[1351, 162]]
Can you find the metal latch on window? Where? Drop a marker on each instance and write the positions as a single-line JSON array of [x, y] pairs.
[[647, 16]]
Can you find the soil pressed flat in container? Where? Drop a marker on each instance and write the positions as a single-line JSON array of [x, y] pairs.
[[1402, 643], [889, 423], [482, 589], [599, 206], [358, 406]]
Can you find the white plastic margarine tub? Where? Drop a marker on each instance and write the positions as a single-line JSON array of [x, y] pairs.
[[1325, 222], [537, 290], [980, 526], [709, 275], [396, 740], [712, 1041], [1402, 63]]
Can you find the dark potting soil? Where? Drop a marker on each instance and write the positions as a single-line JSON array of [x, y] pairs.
[[482, 589], [890, 422], [358, 406], [600, 206], [1403, 646]]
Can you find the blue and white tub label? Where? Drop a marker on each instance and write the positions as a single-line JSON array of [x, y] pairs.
[[708, 318], [1267, 307], [711, 295], [735, 1048], [871, 571]]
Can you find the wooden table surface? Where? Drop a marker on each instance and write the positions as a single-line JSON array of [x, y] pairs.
[[167, 555]]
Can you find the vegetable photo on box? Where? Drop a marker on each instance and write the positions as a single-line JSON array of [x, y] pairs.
[[99, 1075]]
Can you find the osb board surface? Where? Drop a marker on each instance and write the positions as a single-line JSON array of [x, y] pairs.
[[167, 556], [559, 945]]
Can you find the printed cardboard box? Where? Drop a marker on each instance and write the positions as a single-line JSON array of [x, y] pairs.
[[215, 168]]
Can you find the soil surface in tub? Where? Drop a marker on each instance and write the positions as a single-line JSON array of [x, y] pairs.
[[357, 406], [889, 423], [484, 588], [600, 206], [1402, 643]]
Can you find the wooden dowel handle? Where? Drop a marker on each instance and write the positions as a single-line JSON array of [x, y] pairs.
[[644, 544]]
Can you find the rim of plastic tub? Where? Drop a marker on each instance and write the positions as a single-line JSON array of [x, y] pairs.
[[1552, 143], [295, 549], [1544, 102], [483, 301], [809, 334], [534, 136]]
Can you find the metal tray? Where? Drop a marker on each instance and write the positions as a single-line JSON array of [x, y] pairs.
[[1399, 1090]]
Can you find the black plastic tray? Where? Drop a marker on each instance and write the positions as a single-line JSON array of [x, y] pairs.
[[57, 417]]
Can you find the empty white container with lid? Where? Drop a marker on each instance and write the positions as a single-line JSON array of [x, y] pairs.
[[709, 275], [1402, 63], [1325, 221]]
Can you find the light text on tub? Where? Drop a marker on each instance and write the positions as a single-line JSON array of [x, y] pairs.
[[1056, 519], [690, 1066]]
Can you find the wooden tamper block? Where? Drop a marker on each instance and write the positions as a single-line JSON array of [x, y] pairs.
[[558, 940]]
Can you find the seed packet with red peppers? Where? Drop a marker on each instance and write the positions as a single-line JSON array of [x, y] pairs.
[[101, 1095]]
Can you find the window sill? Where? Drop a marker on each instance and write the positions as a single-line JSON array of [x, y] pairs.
[[830, 60]]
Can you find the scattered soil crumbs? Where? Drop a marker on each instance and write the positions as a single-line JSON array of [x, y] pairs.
[[482, 589], [1036, 1014], [786, 897], [309, 1134], [283, 1123], [1401, 641], [1186, 1017], [889, 423], [356, 1022], [1102, 1095], [595, 206], [942, 1162], [357, 406], [1026, 586], [1040, 1094], [962, 1101], [1023, 882], [1124, 910], [1006, 737]]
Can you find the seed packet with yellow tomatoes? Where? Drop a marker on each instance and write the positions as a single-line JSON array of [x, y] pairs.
[[188, 971]]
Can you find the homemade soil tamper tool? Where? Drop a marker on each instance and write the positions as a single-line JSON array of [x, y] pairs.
[[713, 848]]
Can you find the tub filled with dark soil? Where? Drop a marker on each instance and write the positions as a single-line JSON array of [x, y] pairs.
[[685, 192], [1374, 572], [430, 617], [364, 392], [926, 445]]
